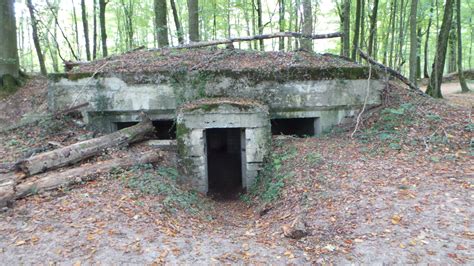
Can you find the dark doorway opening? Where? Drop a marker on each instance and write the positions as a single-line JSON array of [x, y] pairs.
[[165, 129], [224, 162], [300, 127]]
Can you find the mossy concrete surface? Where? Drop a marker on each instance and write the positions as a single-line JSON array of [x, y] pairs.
[[192, 123]]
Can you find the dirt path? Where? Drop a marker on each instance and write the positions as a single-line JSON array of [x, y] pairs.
[[104, 222]]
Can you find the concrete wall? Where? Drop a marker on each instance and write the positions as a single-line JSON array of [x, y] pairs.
[[191, 139], [113, 100]]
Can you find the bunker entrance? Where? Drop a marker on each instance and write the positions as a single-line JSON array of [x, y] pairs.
[[300, 127], [224, 162], [164, 129]]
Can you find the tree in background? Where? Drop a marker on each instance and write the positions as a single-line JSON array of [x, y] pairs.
[[413, 42], [281, 23], [346, 27], [85, 25], [34, 28], [355, 42], [161, 23], [179, 30], [193, 13], [103, 30], [462, 80], [373, 30], [9, 64], [306, 43], [434, 86]]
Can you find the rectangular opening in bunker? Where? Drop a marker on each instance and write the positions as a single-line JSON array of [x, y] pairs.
[[164, 129], [300, 127], [224, 161]]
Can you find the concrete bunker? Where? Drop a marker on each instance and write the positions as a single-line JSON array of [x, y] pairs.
[[207, 93], [222, 144]]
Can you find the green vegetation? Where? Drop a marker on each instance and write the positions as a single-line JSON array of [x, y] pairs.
[[271, 180], [161, 181]]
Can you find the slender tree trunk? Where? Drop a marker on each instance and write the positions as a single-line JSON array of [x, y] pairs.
[[94, 35], [373, 30], [362, 25], [297, 22], [85, 24], [346, 28], [161, 23], [103, 30], [427, 38], [193, 12], [36, 38], [355, 42], [76, 29], [452, 49], [281, 23], [260, 23], [462, 80], [391, 59], [307, 44], [419, 36], [179, 30], [401, 35], [387, 35], [413, 42], [9, 63], [54, 50], [434, 86]]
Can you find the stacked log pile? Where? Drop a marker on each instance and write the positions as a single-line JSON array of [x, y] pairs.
[[31, 176]]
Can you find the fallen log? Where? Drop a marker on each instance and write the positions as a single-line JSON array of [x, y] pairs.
[[51, 181], [7, 187], [84, 149], [392, 72], [259, 37]]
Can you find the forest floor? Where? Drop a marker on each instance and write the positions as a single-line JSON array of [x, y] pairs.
[[399, 191]]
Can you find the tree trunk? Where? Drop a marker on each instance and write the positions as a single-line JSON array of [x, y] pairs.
[[9, 63], [373, 29], [76, 29], [392, 34], [401, 35], [94, 34], [452, 49], [462, 80], [85, 25], [346, 28], [36, 38], [362, 25], [307, 44], [260, 23], [355, 42], [51, 181], [8, 182], [419, 36], [161, 23], [413, 42], [179, 30], [281, 23], [193, 13], [84, 149], [103, 31], [434, 86], [427, 38]]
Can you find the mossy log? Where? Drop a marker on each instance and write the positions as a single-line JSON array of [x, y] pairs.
[[50, 181], [84, 149]]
